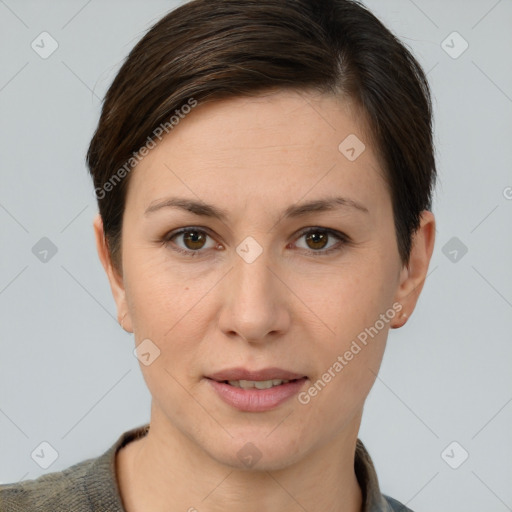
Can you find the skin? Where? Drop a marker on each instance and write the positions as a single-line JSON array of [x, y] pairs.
[[292, 307]]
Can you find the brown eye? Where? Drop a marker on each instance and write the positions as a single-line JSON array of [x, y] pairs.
[[316, 239], [194, 239], [190, 241]]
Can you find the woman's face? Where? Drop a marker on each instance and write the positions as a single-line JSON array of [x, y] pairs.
[[259, 288]]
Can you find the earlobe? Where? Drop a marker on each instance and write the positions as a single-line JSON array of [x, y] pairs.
[[412, 276], [400, 321], [115, 279]]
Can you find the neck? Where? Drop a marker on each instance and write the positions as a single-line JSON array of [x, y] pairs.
[[167, 471]]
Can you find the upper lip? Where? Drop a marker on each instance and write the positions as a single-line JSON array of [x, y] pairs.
[[263, 374]]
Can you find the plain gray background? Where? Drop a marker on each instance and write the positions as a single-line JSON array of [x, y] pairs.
[[68, 375]]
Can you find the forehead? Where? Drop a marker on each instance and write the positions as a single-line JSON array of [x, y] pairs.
[[280, 146]]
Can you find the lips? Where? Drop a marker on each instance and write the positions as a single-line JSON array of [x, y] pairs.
[[252, 399], [249, 390], [257, 375]]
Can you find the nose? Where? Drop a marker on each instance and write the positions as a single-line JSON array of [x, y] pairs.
[[255, 300]]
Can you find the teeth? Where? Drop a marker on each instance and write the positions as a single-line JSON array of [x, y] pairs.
[[258, 384]]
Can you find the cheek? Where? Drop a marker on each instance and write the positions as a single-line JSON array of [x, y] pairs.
[[348, 371], [163, 296], [348, 298], [358, 310], [163, 306], [166, 310]]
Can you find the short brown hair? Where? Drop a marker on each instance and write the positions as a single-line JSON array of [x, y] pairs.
[[216, 49]]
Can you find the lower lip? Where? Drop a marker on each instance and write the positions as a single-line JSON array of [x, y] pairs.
[[256, 400]]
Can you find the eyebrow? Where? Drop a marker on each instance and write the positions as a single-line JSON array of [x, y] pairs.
[[201, 208]]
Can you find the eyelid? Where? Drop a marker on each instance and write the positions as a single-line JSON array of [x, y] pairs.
[[335, 233]]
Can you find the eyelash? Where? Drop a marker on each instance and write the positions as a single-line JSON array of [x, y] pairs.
[[343, 240]]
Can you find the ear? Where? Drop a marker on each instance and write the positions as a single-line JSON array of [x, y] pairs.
[[413, 275], [115, 279]]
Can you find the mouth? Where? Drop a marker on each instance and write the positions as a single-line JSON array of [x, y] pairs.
[[258, 391]]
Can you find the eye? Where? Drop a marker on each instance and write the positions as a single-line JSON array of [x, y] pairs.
[[193, 240], [317, 239]]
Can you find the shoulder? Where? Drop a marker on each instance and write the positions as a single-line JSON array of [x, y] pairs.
[[87, 486], [55, 492], [395, 505]]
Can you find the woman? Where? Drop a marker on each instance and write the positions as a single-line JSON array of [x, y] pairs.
[[264, 173]]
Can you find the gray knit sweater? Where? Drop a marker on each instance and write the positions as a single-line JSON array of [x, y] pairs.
[[91, 485]]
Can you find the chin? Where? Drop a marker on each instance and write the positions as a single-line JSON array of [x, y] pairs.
[[255, 451]]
